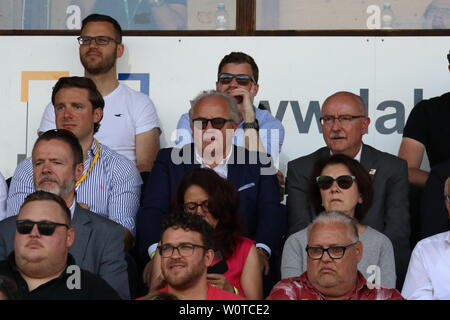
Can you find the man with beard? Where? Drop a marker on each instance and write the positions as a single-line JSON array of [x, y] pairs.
[[344, 121], [57, 161], [110, 184], [214, 117], [186, 252], [334, 251], [40, 263], [130, 124], [257, 129]]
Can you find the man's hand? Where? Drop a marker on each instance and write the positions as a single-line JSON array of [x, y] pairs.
[[246, 105], [153, 284], [219, 281], [263, 261]]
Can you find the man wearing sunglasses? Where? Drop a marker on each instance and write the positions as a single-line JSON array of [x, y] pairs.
[[344, 121], [130, 124], [57, 164], [333, 251], [186, 252], [214, 117], [40, 263], [257, 129]]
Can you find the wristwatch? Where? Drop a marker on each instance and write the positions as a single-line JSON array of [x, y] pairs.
[[251, 125], [156, 3]]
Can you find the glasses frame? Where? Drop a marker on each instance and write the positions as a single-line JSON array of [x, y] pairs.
[[40, 224], [343, 248], [205, 121], [193, 246], [241, 78], [81, 40], [343, 119], [339, 180], [203, 205]]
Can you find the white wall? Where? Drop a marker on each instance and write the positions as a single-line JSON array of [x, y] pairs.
[[301, 69]]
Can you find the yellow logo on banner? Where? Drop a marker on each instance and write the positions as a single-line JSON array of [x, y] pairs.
[[27, 76]]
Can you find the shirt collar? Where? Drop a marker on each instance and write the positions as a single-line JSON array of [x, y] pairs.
[[358, 155]]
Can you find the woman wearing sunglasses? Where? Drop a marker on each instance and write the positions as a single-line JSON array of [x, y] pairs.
[[340, 183], [236, 266]]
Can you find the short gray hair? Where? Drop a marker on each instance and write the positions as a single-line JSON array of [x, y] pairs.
[[446, 187], [337, 216], [235, 114]]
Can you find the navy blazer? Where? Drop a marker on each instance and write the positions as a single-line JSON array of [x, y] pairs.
[[98, 247], [263, 216]]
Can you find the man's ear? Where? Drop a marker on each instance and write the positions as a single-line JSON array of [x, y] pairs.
[[359, 250], [120, 50], [70, 237], [209, 257], [254, 89], [79, 168]]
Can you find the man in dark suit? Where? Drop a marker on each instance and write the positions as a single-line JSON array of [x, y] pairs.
[[433, 212], [57, 160], [214, 118], [344, 122]]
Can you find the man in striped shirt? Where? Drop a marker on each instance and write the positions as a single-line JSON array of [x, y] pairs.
[[110, 184]]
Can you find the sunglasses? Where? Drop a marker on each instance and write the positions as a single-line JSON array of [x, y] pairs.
[[241, 79], [344, 182], [216, 123], [46, 228]]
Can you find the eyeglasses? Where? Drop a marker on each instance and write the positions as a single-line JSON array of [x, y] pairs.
[[99, 40], [343, 120], [241, 79], [192, 206], [335, 252], [46, 228], [216, 123], [184, 249], [344, 182]]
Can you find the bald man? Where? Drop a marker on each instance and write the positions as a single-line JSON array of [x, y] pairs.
[[344, 121]]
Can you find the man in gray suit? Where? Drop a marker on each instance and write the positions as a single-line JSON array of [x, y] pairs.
[[57, 160], [344, 121]]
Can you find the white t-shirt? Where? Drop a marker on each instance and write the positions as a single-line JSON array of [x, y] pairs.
[[127, 113], [3, 196]]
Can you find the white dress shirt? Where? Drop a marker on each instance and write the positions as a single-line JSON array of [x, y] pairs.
[[428, 276]]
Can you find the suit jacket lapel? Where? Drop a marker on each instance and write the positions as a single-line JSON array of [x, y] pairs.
[[83, 231]]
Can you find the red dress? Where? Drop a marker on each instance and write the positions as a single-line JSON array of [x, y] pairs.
[[237, 261]]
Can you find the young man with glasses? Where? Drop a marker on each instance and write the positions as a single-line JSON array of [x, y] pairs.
[[214, 117], [40, 263], [344, 121], [257, 129], [334, 251], [130, 124], [186, 252]]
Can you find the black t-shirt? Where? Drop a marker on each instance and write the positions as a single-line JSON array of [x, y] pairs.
[[90, 287], [429, 123]]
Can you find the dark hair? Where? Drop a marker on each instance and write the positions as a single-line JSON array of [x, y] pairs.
[[65, 136], [8, 287], [363, 181], [95, 97], [191, 222], [95, 17], [240, 57], [223, 205], [44, 195]]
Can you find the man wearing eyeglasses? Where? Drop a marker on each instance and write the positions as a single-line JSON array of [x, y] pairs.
[[40, 263], [130, 124], [333, 251], [214, 117], [257, 129], [57, 164], [344, 121], [186, 252]]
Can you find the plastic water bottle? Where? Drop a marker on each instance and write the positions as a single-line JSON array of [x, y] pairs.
[[221, 17], [387, 17]]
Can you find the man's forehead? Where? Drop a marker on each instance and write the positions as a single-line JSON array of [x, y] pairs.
[[342, 104], [98, 26], [238, 68], [177, 235], [212, 107], [329, 233], [40, 210]]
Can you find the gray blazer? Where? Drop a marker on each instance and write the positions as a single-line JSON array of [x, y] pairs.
[[98, 247], [389, 213]]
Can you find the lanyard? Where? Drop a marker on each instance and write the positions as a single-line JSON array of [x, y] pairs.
[[97, 154]]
